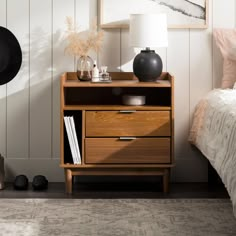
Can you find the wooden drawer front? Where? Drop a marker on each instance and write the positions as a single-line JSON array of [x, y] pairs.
[[116, 151], [116, 123]]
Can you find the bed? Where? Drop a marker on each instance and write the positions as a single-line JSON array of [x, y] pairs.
[[213, 132]]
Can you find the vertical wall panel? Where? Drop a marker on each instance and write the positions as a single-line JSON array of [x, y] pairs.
[[93, 10], [18, 88], [181, 73], [223, 17], [200, 62], [93, 18], [61, 63], [82, 14], [127, 52], [40, 78], [178, 66], [200, 82], [86, 17], [110, 53], [3, 12], [200, 65], [3, 90]]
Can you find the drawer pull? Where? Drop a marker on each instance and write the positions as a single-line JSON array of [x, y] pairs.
[[127, 138], [127, 111]]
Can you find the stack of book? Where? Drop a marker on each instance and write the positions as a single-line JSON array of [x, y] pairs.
[[72, 137]]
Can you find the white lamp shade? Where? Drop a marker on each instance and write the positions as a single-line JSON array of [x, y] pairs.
[[148, 30]]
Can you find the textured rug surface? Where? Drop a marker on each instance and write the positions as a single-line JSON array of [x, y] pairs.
[[111, 217]]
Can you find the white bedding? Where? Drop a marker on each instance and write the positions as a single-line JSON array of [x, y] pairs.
[[214, 133]]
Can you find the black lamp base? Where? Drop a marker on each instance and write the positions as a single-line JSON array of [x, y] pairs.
[[147, 66]]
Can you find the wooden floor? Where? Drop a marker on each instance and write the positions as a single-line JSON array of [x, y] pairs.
[[133, 188]]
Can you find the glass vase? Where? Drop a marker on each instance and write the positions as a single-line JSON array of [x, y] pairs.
[[84, 68]]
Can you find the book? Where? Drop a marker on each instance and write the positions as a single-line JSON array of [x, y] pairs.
[[69, 135], [74, 135], [72, 140]]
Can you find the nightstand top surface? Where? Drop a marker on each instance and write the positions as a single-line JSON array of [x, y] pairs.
[[119, 79]]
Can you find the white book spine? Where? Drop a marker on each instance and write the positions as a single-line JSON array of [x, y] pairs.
[[69, 135], [78, 156], [73, 141]]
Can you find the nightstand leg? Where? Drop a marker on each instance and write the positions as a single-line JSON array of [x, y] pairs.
[[166, 180], [68, 178]]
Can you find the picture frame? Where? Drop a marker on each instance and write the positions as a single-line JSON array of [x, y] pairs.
[[181, 14]]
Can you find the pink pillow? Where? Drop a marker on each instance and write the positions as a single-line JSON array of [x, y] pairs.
[[226, 41]]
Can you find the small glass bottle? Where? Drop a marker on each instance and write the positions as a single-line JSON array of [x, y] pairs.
[[95, 72], [104, 75]]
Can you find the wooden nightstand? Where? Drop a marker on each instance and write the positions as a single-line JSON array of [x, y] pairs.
[[116, 139]]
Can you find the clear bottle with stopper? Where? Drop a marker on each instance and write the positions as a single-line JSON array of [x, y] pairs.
[[104, 75], [95, 72]]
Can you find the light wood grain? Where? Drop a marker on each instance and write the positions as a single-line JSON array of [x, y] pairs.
[[69, 178], [118, 123], [116, 151], [125, 79], [128, 141]]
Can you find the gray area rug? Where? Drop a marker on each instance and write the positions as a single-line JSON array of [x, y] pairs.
[[111, 217]]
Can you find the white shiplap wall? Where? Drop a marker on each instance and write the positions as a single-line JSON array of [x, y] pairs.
[[29, 104]]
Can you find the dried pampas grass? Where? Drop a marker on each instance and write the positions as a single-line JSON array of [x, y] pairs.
[[81, 43]]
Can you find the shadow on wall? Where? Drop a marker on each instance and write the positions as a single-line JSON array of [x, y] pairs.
[[116, 52], [35, 89], [32, 105]]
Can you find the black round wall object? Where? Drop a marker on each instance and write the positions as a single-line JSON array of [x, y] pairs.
[[147, 66], [10, 56]]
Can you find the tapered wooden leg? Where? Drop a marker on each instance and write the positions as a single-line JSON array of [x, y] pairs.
[[68, 178], [166, 181]]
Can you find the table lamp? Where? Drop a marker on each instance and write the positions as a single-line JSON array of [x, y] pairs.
[[146, 31]]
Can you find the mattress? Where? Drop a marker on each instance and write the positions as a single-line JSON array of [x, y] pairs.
[[213, 132]]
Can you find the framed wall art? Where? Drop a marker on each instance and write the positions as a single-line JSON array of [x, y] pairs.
[[180, 13]]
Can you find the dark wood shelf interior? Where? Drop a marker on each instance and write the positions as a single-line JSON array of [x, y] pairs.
[[113, 95], [77, 115]]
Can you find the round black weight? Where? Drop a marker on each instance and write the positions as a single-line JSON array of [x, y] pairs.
[[21, 182], [39, 182]]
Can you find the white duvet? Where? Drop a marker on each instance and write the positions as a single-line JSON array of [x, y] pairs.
[[214, 133]]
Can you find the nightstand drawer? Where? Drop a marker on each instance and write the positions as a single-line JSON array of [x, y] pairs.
[[127, 151], [127, 123]]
